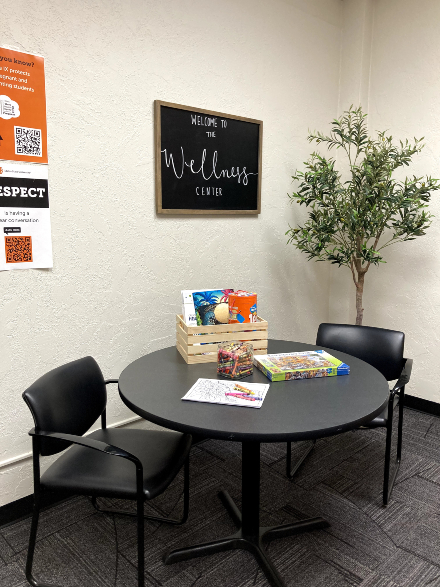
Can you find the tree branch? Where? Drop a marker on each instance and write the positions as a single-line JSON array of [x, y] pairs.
[[352, 272], [376, 241]]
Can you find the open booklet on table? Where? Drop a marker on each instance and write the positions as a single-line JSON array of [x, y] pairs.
[[230, 393]]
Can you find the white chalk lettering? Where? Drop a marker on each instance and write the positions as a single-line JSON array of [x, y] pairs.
[[203, 120], [240, 174], [208, 191]]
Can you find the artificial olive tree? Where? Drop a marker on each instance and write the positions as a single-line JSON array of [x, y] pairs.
[[351, 219]]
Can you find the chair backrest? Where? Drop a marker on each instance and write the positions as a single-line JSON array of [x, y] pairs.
[[67, 399], [380, 347]]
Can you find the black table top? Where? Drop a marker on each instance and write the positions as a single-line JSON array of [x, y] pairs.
[[153, 386]]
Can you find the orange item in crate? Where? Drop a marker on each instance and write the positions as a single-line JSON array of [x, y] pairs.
[[242, 307]]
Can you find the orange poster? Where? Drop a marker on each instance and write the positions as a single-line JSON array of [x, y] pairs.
[[23, 129]]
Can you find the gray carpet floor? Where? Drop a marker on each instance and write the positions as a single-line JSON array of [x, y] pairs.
[[366, 545]]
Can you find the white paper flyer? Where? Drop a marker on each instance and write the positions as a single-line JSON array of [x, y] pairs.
[[24, 217]]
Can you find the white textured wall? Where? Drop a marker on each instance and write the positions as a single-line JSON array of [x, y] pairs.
[[390, 63], [404, 294], [354, 88], [118, 268]]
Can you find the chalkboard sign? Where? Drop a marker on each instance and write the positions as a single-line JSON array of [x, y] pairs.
[[206, 162]]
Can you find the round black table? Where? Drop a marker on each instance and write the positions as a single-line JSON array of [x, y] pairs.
[[153, 386]]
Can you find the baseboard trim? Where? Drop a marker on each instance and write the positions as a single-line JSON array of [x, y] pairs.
[[422, 405], [22, 508]]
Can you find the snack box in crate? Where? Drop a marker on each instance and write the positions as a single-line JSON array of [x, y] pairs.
[[198, 344]]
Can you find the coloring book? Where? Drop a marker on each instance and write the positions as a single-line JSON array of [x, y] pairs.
[[229, 393], [205, 307]]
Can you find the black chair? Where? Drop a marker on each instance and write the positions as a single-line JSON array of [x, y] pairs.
[[64, 404], [382, 349]]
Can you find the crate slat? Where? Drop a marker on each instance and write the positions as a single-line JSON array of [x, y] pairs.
[[219, 337], [190, 346], [181, 332], [260, 325], [180, 321], [225, 337], [213, 348]]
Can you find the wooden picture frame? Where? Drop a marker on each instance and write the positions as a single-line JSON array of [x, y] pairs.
[[183, 184]]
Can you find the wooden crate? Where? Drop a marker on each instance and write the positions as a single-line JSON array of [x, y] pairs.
[[188, 341]]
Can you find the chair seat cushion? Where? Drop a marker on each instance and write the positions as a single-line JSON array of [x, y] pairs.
[[89, 472]]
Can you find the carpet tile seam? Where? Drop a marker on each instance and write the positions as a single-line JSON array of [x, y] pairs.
[[39, 540], [327, 560], [429, 428], [404, 549], [211, 454], [92, 513], [346, 459], [94, 573], [418, 474], [375, 523]]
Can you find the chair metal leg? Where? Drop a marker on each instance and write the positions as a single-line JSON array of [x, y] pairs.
[[32, 542], [171, 521], [290, 472], [400, 426], [388, 482], [386, 474], [30, 555], [140, 537], [35, 518]]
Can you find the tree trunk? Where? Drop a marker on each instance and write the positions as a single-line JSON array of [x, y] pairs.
[[359, 293]]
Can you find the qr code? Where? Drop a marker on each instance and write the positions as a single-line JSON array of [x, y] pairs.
[[18, 249], [28, 141]]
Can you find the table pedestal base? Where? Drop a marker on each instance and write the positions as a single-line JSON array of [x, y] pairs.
[[251, 543], [250, 535]]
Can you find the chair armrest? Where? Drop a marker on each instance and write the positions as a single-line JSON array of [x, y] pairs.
[[404, 376], [89, 443], [107, 381]]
